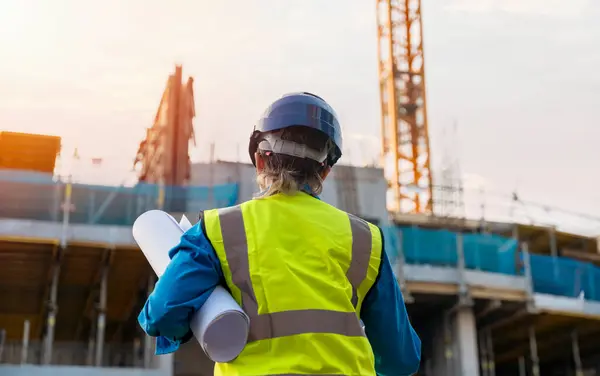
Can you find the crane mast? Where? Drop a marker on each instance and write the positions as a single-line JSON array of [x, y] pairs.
[[405, 136]]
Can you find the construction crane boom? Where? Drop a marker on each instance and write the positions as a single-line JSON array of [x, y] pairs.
[[163, 155], [405, 136]]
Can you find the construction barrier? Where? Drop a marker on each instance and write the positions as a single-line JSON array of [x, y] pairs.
[[566, 277], [496, 254], [485, 252], [38, 197]]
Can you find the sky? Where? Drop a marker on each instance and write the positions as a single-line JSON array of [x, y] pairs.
[[519, 78]]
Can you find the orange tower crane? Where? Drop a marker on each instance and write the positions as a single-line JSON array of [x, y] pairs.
[[405, 136]]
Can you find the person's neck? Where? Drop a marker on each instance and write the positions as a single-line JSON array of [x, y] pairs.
[[304, 188]]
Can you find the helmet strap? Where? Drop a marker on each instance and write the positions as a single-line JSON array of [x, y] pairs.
[[273, 142]]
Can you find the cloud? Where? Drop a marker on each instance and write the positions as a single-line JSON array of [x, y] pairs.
[[556, 8], [361, 149], [472, 182]]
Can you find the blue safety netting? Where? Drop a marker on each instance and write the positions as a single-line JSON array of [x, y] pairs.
[[492, 253], [565, 277], [486, 252], [39, 197]]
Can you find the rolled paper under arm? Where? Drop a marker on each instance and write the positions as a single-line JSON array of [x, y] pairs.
[[220, 326]]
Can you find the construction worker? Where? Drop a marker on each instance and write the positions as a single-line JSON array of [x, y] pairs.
[[305, 272]]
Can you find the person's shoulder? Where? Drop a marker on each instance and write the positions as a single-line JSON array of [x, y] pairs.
[[216, 211]]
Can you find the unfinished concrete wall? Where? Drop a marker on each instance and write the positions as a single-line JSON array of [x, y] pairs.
[[370, 185]]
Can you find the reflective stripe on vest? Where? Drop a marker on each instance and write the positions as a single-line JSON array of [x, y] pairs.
[[287, 323]]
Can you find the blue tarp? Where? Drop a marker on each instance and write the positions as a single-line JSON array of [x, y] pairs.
[[484, 252], [564, 276], [492, 253]]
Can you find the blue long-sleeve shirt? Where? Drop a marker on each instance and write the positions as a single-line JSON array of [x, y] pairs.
[[195, 271]]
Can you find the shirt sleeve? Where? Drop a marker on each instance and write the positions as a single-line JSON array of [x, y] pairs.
[[395, 344], [188, 281]]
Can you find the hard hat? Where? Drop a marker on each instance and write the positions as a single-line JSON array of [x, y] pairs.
[[298, 110]]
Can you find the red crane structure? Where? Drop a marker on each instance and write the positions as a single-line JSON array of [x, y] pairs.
[[164, 154]]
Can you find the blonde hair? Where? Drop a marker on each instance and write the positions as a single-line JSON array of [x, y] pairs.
[[289, 175], [280, 179]]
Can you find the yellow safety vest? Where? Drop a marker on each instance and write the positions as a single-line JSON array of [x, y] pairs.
[[302, 283]]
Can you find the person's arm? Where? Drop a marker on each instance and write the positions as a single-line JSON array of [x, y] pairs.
[[188, 281], [395, 344]]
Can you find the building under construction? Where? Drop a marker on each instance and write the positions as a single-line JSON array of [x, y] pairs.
[[487, 298]]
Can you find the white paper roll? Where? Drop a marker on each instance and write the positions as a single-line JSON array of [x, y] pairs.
[[221, 327], [185, 223]]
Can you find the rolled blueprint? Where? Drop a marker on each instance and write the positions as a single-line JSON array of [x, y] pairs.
[[220, 326]]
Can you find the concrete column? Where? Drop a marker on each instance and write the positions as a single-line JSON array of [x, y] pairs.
[[101, 320], [528, 278], [449, 345], [89, 359], [463, 289], [535, 361], [149, 341], [522, 366], [576, 354], [148, 351], [489, 344], [442, 354], [455, 350], [553, 251], [137, 349], [2, 342], [553, 244], [166, 364], [483, 355], [51, 319], [25, 343], [465, 337]]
